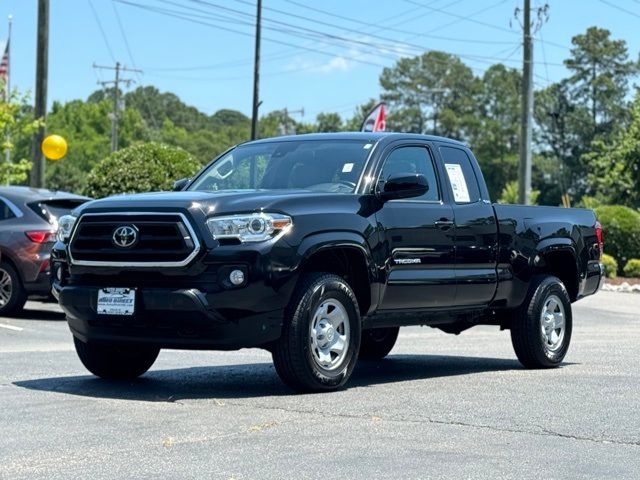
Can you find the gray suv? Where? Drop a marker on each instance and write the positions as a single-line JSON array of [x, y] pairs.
[[28, 226]]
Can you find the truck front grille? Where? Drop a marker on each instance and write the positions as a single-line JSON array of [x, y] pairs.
[[160, 239]]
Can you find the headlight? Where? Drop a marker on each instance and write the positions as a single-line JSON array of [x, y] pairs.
[[252, 227], [65, 227]]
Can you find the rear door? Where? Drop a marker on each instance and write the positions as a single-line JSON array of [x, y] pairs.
[[476, 232], [418, 235]]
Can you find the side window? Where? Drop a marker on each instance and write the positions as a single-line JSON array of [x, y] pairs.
[[462, 179], [5, 212], [412, 160]]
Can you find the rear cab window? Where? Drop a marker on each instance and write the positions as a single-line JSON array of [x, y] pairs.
[[460, 175]]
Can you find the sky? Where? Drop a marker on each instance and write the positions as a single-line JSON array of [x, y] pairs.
[[319, 61]]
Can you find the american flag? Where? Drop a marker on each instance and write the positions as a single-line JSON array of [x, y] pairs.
[[4, 65]]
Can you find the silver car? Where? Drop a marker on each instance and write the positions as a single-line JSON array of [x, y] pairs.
[[28, 224]]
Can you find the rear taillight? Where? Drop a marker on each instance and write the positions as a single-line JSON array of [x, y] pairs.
[[599, 237], [41, 236]]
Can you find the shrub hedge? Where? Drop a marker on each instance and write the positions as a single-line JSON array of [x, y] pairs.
[[144, 167], [610, 266], [621, 226], [632, 268]]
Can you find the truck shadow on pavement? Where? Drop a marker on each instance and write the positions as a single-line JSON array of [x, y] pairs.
[[260, 379], [42, 315]]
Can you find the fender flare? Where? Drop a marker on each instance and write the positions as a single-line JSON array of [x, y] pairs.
[[318, 242]]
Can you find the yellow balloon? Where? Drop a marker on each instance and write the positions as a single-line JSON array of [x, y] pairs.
[[54, 147]]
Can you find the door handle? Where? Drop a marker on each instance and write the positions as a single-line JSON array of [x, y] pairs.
[[444, 224]]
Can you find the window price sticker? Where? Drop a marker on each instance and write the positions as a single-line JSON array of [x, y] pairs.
[[458, 183]]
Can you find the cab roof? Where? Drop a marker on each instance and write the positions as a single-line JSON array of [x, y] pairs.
[[364, 136]]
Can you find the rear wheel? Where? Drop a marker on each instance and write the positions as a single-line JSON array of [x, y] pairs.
[[320, 338], [378, 342], [115, 362], [541, 329], [12, 294]]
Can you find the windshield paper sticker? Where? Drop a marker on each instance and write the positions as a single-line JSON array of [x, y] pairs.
[[458, 183], [347, 167]]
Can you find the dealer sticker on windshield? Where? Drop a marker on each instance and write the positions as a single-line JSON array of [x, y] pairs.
[[116, 301], [458, 183]]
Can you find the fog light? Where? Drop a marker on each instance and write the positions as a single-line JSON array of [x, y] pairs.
[[236, 277], [59, 273]]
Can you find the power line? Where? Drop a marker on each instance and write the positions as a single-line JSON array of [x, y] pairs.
[[392, 29], [618, 7], [461, 17], [220, 27], [392, 46], [116, 97], [104, 35], [137, 72]]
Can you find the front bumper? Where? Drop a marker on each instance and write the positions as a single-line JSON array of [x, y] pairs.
[[170, 318]]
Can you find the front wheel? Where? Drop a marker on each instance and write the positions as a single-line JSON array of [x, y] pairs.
[[115, 362], [320, 338], [541, 329]]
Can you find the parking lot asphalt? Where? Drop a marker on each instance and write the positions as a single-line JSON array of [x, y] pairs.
[[440, 406]]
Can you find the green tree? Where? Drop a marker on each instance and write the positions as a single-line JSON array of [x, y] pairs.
[[494, 132], [87, 128], [16, 122], [601, 71], [563, 133], [144, 167], [614, 168], [509, 194], [431, 93], [328, 122]]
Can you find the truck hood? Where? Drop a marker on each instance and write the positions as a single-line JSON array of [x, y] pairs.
[[223, 202]]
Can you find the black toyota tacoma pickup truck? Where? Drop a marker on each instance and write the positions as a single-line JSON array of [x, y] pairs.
[[318, 248]]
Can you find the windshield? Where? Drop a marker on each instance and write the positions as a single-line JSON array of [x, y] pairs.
[[319, 165]]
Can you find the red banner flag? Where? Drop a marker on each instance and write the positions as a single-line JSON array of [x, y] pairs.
[[376, 120]]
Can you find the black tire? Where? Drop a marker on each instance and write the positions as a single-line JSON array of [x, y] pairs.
[[13, 295], [529, 337], [378, 342], [115, 362], [294, 354]]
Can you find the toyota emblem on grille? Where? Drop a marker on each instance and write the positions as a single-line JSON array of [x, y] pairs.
[[125, 236]]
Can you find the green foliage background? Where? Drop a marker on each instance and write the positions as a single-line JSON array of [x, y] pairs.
[[146, 167], [621, 227]]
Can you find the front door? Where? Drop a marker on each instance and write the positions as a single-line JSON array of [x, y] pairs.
[[418, 237]]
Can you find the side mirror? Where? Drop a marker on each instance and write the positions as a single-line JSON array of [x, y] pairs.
[[404, 185], [179, 185]]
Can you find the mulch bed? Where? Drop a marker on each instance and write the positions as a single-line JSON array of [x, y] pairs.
[[621, 280]]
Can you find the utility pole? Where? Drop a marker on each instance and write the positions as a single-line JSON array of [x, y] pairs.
[[524, 173], [256, 75], [40, 107], [116, 97], [284, 126]]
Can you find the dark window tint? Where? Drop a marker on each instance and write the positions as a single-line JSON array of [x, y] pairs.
[[325, 166], [408, 160], [5, 211], [460, 174]]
